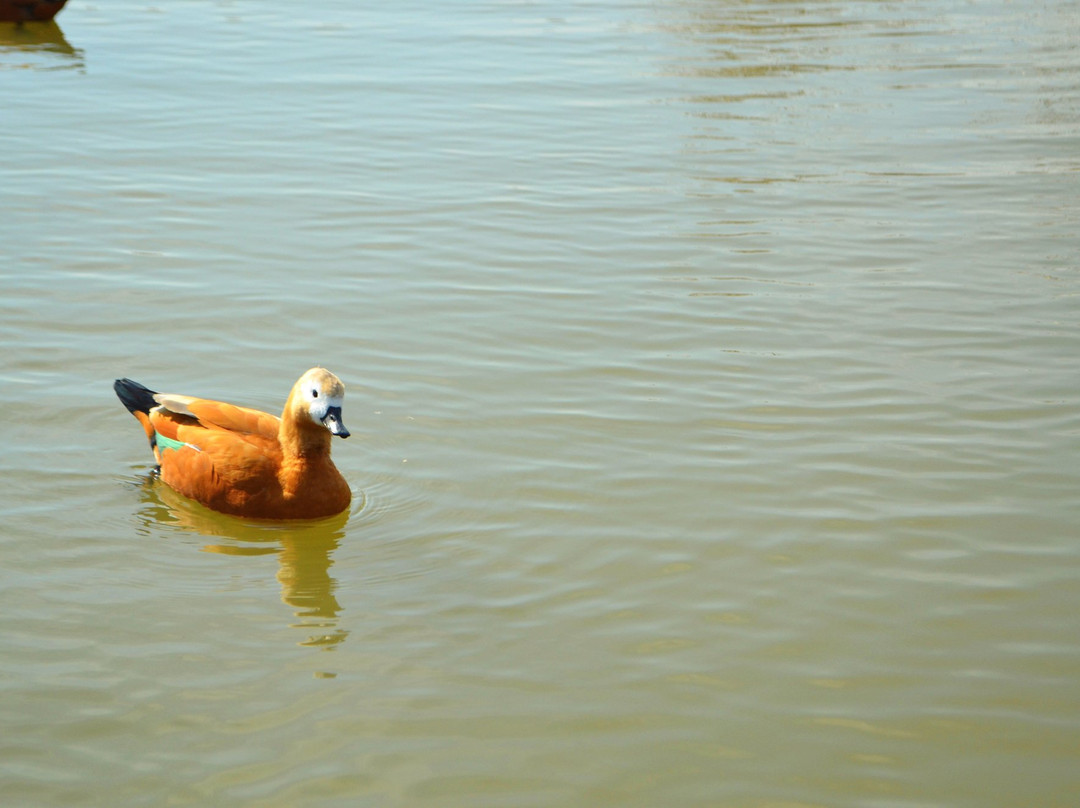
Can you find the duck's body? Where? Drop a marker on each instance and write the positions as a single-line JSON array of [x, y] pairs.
[[246, 462]]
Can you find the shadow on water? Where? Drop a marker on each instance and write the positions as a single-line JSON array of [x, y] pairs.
[[37, 46], [303, 549]]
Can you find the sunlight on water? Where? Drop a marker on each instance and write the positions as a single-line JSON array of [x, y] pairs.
[[711, 369]]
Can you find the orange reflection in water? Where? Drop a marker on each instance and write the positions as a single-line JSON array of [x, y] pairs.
[[304, 550]]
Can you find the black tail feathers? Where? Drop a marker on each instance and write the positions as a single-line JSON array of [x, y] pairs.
[[134, 396]]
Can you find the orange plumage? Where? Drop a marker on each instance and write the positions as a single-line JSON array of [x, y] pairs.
[[246, 462]]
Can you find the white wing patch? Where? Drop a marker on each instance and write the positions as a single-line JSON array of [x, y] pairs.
[[173, 402]]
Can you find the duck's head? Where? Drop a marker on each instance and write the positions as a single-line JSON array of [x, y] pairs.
[[319, 394]]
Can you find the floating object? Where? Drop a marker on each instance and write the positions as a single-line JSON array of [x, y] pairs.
[[29, 10], [246, 462]]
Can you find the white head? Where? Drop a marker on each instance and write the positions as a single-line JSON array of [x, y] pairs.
[[320, 393]]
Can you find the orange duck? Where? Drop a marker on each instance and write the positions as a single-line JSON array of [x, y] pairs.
[[246, 462]]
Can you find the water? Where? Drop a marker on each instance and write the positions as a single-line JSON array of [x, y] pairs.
[[712, 372]]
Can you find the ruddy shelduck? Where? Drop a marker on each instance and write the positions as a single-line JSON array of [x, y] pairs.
[[246, 462]]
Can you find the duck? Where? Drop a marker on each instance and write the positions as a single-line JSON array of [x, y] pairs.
[[245, 462]]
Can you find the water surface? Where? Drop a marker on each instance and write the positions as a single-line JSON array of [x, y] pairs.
[[712, 372]]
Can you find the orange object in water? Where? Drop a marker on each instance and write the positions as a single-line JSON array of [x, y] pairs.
[[246, 462], [29, 10]]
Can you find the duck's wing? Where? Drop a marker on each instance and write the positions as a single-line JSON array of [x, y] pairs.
[[219, 415], [223, 468]]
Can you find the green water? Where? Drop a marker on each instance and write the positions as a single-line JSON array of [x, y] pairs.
[[712, 370]]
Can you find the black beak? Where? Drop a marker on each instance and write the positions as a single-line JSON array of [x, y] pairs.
[[332, 421]]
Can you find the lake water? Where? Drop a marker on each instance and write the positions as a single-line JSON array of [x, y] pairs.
[[713, 372]]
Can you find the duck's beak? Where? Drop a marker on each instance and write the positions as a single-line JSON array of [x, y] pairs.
[[332, 421]]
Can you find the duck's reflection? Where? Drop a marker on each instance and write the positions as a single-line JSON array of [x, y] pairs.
[[303, 548], [37, 46]]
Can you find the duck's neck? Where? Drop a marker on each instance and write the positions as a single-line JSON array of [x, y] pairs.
[[300, 439]]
